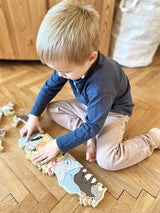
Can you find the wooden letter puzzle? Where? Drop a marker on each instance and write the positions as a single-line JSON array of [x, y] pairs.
[[71, 175]]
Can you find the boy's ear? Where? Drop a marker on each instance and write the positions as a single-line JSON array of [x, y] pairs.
[[93, 57]]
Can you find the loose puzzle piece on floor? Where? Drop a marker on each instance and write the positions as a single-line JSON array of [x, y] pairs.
[[7, 110], [2, 132], [71, 175], [19, 118]]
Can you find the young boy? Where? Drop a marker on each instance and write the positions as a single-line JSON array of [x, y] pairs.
[[68, 42]]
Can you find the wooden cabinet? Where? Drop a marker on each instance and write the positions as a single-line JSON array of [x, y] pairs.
[[19, 24], [20, 21]]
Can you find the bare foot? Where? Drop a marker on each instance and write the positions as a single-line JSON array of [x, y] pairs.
[[91, 151]]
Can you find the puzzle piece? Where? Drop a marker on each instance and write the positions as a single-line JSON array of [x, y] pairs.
[[1, 115], [19, 118], [47, 138], [2, 132], [75, 179], [7, 110], [35, 137], [1, 147], [71, 175], [35, 142], [46, 168]]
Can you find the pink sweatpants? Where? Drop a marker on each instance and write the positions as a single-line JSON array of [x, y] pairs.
[[112, 153]]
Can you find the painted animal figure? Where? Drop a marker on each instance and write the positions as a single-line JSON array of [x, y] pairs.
[[7, 110], [2, 132], [19, 118]]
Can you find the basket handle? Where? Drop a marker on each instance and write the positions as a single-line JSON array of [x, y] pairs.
[[130, 8]]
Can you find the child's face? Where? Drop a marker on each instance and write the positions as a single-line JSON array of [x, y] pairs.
[[70, 71]]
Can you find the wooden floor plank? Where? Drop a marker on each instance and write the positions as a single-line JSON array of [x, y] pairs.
[[156, 207], [27, 178], [82, 209], [26, 205], [7, 204], [67, 205], [139, 181], [143, 204], [151, 163], [4, 192], [105, 205], [142, 75], [145, 93], [50, 182], [8, 177], [124, 204], [45, 205]]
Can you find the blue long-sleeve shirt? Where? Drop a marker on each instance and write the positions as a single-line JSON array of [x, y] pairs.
[[105, 88]]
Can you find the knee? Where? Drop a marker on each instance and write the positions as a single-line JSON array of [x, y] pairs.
[[51, 109], [107, 163]]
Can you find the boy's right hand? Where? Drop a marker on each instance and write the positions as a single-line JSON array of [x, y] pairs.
[[32, 123]]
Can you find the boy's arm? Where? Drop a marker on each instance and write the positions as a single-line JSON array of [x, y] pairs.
[[51, 87], [49, 90], [97, 111]]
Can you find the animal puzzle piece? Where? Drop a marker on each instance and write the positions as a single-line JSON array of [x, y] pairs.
[[1, 147], [75, 179], [7, 110], [1, 115], [71, 175], [2, 132], [19, 118], [35, 142]]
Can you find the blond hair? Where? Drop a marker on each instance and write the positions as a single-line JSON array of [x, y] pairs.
[[68, 32]]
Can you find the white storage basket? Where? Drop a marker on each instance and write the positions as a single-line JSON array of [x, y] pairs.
[[136, 32]]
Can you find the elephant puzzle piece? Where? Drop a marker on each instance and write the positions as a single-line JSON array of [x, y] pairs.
[[71, 175], [7, 110]]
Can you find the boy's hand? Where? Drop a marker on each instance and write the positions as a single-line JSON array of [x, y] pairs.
[[48, 152], [32, 123]]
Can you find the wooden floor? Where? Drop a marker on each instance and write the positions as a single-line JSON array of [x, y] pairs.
[[25, 189]]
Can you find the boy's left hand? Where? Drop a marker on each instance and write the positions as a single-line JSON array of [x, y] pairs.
[[48, 152]]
